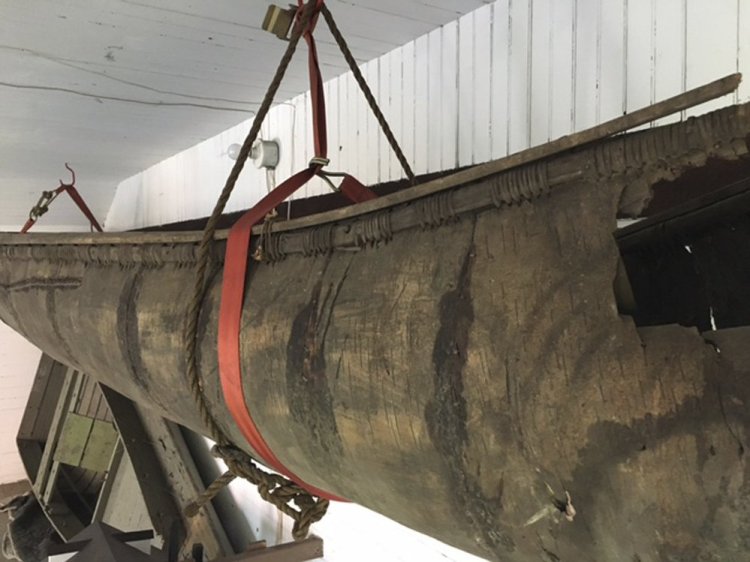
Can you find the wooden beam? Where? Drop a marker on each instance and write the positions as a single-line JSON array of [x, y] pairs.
[[49, 371], [109, 479], [184, 482], [308, 549], [723, 204], [68, 396], [161, 506]]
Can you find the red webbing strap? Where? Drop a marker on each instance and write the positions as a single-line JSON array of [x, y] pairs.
[[350, 187], [77, 199], [354, 190], [317, 93], [230, 318], [235, 273], [27, 225]]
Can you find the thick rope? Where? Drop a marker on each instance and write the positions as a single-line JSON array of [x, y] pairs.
[[273, 488], [191, 510], [367, 92], [277, 490], [204, 246]]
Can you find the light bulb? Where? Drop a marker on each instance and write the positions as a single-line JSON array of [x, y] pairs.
[[233, 151]]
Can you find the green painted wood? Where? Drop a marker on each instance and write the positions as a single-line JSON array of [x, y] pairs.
[[73, 439], [99, 447]]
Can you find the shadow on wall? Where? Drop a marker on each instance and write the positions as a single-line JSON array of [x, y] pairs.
[[18, 363]]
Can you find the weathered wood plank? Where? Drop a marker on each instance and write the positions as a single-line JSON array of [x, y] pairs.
[[151, 477], [67, 397], [166, 475], [104, 495], [73, 439], [99, 448], [37, 417], [307, 549]]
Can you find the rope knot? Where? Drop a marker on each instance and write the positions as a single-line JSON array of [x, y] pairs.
[[287, 496]]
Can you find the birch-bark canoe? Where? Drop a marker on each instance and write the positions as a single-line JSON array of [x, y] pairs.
[[454, 360]]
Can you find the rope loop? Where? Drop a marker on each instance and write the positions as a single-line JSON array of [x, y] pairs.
[[288, 497], [304, 506], [270, 486], [354, 67]]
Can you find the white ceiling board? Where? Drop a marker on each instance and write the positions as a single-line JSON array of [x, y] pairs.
[[115, 86]]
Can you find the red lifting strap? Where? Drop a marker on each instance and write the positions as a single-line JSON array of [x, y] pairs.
[[48, 196], [317, 93], [235, 273], [230, 313], [230, 317]]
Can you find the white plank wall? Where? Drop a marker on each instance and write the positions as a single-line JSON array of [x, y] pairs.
[[509, 75]]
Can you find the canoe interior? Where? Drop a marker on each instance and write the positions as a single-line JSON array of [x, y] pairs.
[[67, 442]]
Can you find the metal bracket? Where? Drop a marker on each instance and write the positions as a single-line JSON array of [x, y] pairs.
[[279, 21], [42, 206]]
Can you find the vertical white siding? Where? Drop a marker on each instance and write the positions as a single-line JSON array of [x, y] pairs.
[[383, 93], [499, 80], [481, 84], [638, 55], [422, 70], [371, 161], [539, 111], [712, 33], [586, 41], [465, 74], [519, 74], [434, 103], [669, 44], [511, 74], [396, 114], [562, 85], [612, 61]]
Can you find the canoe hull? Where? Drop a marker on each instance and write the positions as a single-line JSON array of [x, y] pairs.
[[466, 373]]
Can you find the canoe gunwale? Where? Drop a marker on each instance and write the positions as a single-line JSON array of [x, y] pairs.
[[638, 160], [466, 274]]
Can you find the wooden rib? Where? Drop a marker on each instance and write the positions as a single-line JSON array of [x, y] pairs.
[[664, 108]]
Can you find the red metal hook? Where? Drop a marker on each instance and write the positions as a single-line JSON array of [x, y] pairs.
[[72, 173], [42, 206]]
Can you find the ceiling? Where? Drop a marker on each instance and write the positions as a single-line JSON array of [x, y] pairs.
[[115, 86]]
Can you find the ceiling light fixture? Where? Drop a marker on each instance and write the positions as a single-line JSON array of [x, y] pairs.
[[264, 153]]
